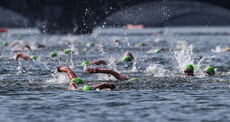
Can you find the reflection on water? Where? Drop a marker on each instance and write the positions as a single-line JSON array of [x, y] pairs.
[[35, 91]]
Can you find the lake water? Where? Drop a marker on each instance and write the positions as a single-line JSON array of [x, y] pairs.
[[35, 91]]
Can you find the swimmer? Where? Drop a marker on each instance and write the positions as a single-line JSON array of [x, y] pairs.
[[209, 71], [189, 70], [25, 57], [128, 57], [74, 80], [106, 71], [141, 44]]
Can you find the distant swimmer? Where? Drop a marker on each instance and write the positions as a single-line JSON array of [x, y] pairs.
[[25, 57], [106, 71], [74, 81], [128, 57], [209, 71], [189, 70]]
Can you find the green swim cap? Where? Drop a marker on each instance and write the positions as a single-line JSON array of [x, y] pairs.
[[53, 54], [90, 44], [85, 49], [86, 87], [140, 44], [133, 79], [77, 80], [19, 36], [66, 51], [157, 51], [210, 70], [127, 58], [189, 66], [33, 57], [5, 43], [84, 62]]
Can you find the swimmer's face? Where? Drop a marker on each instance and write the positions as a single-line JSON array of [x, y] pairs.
[[207, 73], [188, 72]]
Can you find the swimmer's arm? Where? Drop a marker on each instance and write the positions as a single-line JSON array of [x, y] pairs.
[[115, 74], [21, 55], [14, 44], [98, 62], [106, 71], [69, 72], [25, 46]]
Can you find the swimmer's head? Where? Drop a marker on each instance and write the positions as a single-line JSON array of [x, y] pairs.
[[209, 71], [189, 70], [141, 44], [127, 58], [90, 44], [66, 51], [33, 57], [157, 51], [86, 87], [5, 43], [84, 63], [85, 49], [53, 54], [77, 80], [133, 80]]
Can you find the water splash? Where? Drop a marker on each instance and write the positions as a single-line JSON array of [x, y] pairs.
[[157, 70], [204, 63], [218, 49], [58, 78], [182, 56]]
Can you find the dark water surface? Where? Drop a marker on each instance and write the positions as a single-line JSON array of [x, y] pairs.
[[35, 91]]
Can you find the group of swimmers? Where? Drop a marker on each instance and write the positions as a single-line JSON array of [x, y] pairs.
[[75, 81]]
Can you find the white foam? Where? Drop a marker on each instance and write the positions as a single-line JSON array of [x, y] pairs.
[[184, 56], [61, 78]]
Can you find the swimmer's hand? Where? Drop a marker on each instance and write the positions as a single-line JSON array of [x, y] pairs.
[[90, 70]]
